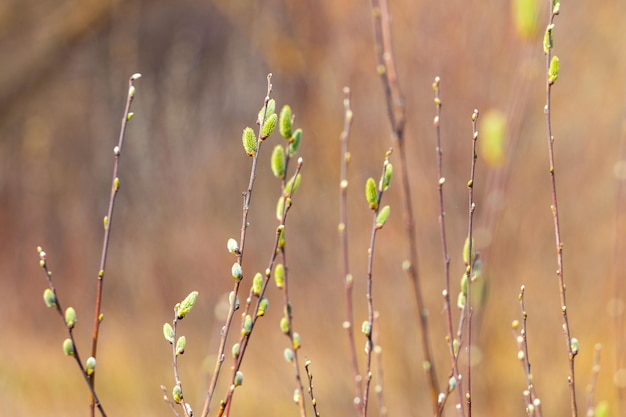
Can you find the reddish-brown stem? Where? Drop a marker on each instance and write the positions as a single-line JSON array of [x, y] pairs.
[[396, 112], [456, 374], [290, 333], [554, 10], [107, 226], [245, 337], [247, 197], [470, 264], [533, 404], [370, 293], [57, 306]]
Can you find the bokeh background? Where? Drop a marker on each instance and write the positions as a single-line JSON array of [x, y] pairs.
[[63, 81]]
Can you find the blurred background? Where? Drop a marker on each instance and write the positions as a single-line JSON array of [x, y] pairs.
[[63, 86]]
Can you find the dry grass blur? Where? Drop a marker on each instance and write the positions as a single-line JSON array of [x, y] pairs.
[[62, 89]]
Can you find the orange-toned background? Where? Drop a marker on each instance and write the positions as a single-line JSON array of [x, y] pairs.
[[62, 88]]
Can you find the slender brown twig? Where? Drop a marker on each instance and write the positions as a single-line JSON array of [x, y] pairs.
[[115, 184], [552, 68], [533, 404], [309, 375], [343, 236], [470, 263], [291, 335], [186, 408], [247, 197], [247, 332], [368, 326], [396, 112], [169, 402], [56, 303], [456, 374]]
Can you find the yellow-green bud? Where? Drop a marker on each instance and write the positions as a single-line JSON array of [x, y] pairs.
[[235, 350], [49, 298], [177, 394], [279, 276], [268, 126], [271, 109], [68, 347], [460, 301], [237, 272], [238, 378], [278, 161], [366, 328], [292, 185], [553, 71], [294, 142], [248, 139], [186, 305], [281, 236], [247, 325], [264, 304], [383, 216], [233, 246], [181, 343], [466, 249], [280, 208], [296, 341], [385, 180], [285, 122], [257, 284], [70, 317], [90, 365], [284, 325], [371, 194], [548, 42], [168, 332]]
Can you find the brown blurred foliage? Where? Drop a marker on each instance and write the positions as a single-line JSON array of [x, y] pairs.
[[62, 89]]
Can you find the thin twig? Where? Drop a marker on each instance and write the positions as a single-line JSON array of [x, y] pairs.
[[551, 76], [470, 263], [245, 336], [396, 112], [43, 262], [533, 404], [290, 332], [169, 402], [309, 375], [247, 197], [108, 220], [343, 236], [444, 247], [175, 354], [369, 326]]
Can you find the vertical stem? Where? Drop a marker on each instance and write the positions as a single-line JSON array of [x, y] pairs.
[[107, 228], [242, 240], [548, 45], [343, 235], [444, 247], [396, 113]]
